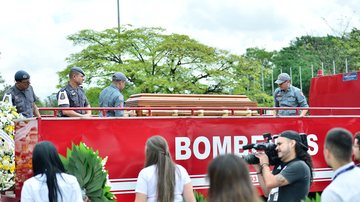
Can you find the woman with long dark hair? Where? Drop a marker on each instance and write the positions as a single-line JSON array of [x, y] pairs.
[[230, 181], [162, 180], [50, 183]]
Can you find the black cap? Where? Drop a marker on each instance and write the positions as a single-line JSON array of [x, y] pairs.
[[21, 75], [77, 69], [290, 134]]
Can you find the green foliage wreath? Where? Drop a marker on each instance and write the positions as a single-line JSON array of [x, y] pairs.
[[88, 167]]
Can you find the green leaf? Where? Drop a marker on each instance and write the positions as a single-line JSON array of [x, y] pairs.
[[86, 166]]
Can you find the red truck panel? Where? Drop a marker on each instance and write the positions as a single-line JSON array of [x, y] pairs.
[[340, 90], [193, 142]]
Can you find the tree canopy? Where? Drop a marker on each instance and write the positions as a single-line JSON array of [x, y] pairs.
[[156, 62]]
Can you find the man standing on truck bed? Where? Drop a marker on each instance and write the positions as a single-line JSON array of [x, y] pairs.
[[22, 95], [287, 95], [111, 96], [72, 95]]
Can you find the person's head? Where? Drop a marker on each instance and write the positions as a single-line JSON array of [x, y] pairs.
[[46, 160], [22, 79], [229, 180], [286, 144], [338, 147], [283, 81], [157, 153], [289, 146], [76, 75], [119, 80], [356, 147]]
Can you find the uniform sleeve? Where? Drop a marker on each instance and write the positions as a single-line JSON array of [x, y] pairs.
[[63, 98], [10, 92], [276, 103], [141, 184], [119, 102], [301, 99], [33, 94], [26, 193], [86, 101]]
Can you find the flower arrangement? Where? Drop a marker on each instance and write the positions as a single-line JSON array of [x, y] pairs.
[[89, 169], [7, 158]]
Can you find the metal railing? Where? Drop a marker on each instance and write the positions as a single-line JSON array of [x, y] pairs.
[[206, 111]]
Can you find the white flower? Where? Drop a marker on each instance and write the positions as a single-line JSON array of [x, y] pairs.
[[5, 162], [7, 159]]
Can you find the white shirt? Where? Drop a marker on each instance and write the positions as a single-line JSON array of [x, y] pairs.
[[35, 189], [345, 186], [147, 183]]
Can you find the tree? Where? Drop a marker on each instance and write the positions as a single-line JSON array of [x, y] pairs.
[[158, 63], [265, 59], [307, 52], [351, 44]]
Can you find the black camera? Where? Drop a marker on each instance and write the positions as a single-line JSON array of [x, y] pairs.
[[269, 148]]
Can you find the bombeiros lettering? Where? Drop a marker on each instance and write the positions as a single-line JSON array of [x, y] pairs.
[[203, 147]]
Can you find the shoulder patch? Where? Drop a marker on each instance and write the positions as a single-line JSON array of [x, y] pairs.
[[63, 98]]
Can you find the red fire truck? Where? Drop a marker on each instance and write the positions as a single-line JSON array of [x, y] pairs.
[[195, 140]]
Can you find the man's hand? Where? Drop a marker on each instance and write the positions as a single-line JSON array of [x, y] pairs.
[[303, 113], [263, 158]]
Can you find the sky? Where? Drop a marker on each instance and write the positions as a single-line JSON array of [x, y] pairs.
[[33, 32]]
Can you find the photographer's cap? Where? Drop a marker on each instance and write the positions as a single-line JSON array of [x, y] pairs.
[[77, 69], [292, 135], [282, 78], [119, 76], [21, 75]]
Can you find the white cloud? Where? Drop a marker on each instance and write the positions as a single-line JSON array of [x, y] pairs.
[[33, 32]]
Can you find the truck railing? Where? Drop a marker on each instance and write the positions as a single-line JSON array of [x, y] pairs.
[[204, 111]]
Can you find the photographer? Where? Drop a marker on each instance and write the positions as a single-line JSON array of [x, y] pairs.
[[290, 180]]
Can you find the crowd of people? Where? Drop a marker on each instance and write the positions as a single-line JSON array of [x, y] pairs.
[[162, 180]]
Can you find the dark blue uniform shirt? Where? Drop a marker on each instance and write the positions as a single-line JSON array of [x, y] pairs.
[[23, 100], [74, 97]]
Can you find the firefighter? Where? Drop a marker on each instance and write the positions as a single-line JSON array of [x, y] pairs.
[[291, 179], [287, 95], [111, 96], [73, 95], [337, 154], [22, 95]]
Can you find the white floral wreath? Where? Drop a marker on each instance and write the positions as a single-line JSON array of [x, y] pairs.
[[7, 149]]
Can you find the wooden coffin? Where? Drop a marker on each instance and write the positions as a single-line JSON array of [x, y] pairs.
[[192, 100]]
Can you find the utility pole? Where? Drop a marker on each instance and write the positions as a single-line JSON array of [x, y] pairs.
[[118, 12]]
